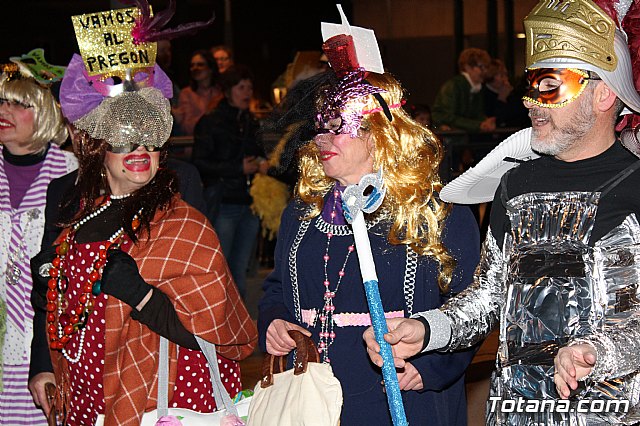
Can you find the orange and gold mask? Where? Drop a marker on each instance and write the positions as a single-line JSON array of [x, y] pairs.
[[555, 87]]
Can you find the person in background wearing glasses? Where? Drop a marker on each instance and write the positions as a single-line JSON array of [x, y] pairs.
[[133, 263], [459, 103], [223, 56], [31, 130]]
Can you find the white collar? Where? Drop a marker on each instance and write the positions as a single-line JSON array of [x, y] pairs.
[[475, 88]]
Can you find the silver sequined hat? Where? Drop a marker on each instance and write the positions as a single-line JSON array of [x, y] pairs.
[[140, 117]]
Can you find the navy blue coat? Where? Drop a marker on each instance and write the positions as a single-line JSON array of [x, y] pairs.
[[442, 401]]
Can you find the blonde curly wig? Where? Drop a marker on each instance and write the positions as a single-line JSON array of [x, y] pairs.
[[410, 155]]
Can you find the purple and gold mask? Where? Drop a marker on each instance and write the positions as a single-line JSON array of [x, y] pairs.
[[555, 87], [342, 108]]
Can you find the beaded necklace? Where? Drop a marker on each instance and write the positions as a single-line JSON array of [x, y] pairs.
[[327, 334], [62, 321], [13, 271]]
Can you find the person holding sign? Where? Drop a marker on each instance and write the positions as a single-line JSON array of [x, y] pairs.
[[342, 125], [134, 263]]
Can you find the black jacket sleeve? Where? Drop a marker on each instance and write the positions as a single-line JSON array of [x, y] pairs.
[[40, 360], [160, 316], [56, 191], [190, 183]]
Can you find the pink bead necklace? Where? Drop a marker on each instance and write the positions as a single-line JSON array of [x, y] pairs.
[[327, 334]]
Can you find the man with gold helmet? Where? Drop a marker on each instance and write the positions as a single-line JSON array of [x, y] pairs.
[[560, 266]]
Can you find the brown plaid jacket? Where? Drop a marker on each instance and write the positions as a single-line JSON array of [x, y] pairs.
[[182, 257]]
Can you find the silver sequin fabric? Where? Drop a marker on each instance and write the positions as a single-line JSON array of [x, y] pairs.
[[142, 117], [548, 288]]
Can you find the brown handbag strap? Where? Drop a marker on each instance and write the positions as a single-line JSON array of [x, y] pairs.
[[306, 352], [50, 391], [271, 365]]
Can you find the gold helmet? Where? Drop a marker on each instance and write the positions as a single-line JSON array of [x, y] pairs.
[[580, 34]]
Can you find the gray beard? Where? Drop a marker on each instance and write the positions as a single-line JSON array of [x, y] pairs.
[[562, 139]]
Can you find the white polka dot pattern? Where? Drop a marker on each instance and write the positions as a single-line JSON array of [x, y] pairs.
[[193, 383], [85, 377], [181, 256]]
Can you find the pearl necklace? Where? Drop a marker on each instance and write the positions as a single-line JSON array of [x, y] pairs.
[[327, 333], [63, 326], [119, 197]]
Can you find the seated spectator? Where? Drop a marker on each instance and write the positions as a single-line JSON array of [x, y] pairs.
[[459, 103]]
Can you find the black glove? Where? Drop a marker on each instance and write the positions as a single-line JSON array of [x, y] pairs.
[[40, 283], [121, 278], [160, 316]]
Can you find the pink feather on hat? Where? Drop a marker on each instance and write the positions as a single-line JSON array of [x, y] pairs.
[[148, 28]]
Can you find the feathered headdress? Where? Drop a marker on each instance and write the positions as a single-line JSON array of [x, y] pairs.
[[631, 26], [151, 28], [294, 118], [352, 53]]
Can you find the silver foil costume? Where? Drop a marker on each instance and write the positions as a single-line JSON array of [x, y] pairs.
[[549, 288]]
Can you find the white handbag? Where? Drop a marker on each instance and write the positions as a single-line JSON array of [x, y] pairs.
[[309, 394], [189, 417]]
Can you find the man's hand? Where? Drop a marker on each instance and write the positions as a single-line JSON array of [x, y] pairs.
[[36, 387], [278, 340], [572, 364], [409, 378], [406, 336], [263, 166]]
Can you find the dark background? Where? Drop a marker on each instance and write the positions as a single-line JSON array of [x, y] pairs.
[[265, 34]]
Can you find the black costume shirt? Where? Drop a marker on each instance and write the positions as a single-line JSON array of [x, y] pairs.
[[548, 174]]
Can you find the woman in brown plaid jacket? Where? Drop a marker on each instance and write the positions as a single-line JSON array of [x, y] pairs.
[[133, 263]]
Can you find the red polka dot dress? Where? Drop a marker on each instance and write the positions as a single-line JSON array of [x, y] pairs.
[[85, 375], [193, 384]]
